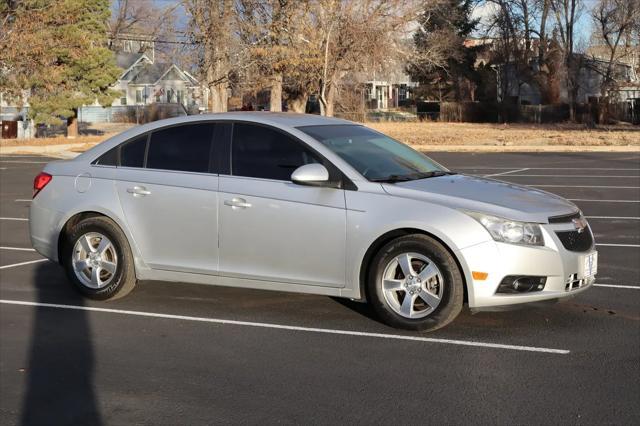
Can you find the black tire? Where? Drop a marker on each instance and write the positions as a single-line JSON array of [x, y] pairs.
[[452, 297], [124, 278]]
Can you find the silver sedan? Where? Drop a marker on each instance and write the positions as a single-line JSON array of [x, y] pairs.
[[306, 204]]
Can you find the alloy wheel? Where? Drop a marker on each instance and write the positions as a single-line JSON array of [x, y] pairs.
[[94, 260], [412, 285]]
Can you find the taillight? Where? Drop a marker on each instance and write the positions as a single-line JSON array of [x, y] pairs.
[[40, 182]]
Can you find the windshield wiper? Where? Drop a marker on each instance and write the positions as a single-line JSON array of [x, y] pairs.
[[410, 177], [392, 179]]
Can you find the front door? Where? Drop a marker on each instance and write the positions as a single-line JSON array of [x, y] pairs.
[[270, 228]]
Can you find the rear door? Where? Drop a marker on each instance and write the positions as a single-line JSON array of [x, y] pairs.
[[167, 185], [270, 228]]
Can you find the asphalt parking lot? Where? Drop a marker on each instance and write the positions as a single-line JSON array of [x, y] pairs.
[[194, 354]]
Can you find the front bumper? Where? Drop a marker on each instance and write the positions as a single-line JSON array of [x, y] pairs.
[[564, 270]]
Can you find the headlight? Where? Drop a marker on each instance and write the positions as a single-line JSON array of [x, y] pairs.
[[509, 231]]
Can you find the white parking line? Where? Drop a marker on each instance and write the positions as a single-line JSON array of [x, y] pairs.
[[17, 248], [572, 176], [507, 172], [14, 218], [614, 217], [291, 327], [23, 263], [628, 287], [617, 245], [539, 168], [603, 201], [21, 200], [583, 186]]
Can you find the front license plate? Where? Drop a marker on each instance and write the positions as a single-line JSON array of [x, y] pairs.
[[590, 265]]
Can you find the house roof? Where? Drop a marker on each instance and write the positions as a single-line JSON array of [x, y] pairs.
[[124, 60], [150, 73]]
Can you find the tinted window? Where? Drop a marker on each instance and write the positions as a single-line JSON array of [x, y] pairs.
[[132, 153], [222, 149], [262, 152], [185, 148], [373, 154], [110, 158]]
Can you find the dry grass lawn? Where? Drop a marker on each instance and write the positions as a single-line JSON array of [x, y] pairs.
[[423, 134]]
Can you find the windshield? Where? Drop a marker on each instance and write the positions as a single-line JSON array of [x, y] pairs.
[[376, 156]]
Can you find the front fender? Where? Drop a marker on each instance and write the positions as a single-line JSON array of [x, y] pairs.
[[371, 216]]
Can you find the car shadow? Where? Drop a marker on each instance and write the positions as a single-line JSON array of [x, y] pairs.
[[361, 308], [59, 374]]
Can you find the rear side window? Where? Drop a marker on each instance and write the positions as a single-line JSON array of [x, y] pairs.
[[262, 152], [132, 152], [110, 158], [185, 148]]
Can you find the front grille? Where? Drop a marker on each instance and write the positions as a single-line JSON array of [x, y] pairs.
[[565, 218], [576, 241], [573, 283]]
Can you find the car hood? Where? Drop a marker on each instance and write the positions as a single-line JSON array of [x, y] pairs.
[[489, 196]]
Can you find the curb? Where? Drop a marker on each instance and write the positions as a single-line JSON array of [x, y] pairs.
[[40, 149]]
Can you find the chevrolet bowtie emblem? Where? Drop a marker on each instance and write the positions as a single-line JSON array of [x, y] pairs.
[[580, 224]]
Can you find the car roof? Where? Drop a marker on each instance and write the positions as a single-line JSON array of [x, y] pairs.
[[283, 120], [278, 119]]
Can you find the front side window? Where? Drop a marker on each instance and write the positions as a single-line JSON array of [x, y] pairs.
[[262, 152], [132, 152], [375, 156], [184, 148]]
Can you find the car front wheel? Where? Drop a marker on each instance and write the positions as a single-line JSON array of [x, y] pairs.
[[415, 283]]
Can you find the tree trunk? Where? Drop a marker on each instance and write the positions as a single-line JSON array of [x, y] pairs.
[[330, 100], [298, 104], [275, 97], [218, 97], [72, 125]]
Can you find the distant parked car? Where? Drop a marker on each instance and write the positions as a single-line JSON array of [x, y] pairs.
[[306, 204]]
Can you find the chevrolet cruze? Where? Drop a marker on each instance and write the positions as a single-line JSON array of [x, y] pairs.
[[306, 204]]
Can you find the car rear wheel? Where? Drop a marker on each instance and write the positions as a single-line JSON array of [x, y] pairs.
[[98, 259], [415, 283]]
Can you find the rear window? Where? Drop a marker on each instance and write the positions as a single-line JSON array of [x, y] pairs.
[[132, 152], [110, 158], [184, 148]]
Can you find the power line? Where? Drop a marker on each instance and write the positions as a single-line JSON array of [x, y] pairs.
[[154, 40]]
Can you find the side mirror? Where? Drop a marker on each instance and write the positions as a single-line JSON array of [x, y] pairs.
[[311, 175]]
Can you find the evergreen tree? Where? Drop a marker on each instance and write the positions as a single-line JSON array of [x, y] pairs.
[[56, 51], [443, 65]]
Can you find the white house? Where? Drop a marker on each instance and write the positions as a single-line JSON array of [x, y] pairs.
[[145, 81]]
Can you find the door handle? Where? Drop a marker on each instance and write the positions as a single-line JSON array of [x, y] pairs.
[[237, 203], [138, 191]]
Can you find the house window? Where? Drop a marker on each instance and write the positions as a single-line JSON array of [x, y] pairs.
[[123, 99], [181, 96], [138, 96]]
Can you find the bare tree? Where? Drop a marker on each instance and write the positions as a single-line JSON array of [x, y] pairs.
[[272, 32], [140, 18], [353, 34], [212, 29], [615, 21], [566, 14]]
